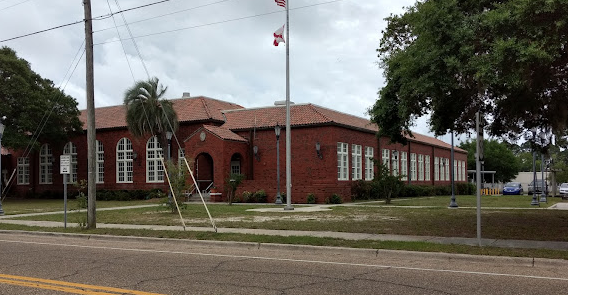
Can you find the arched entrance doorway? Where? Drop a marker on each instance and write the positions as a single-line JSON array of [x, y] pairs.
[[204, 170]]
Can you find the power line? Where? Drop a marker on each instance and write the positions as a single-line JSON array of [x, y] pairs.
[[78, 22], [5, 8], [220, 22]]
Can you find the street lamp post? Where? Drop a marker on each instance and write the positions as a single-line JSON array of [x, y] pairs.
[[453, 203], [169, 136], [542, 199], [1, 178], [277, 132], [534, 202]]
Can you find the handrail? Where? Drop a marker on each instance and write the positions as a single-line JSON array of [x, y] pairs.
[[207, 189]]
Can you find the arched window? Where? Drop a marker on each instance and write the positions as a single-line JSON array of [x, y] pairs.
[[46, 167], [124, 161], [235, 164], [155, 170], [71, 149], [99, 162]]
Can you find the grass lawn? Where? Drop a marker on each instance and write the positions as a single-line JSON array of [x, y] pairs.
[[524, 222]]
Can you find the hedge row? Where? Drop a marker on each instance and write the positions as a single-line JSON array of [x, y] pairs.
[[363, 190]]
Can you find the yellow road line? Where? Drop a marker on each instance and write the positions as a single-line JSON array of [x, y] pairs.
[[74, 288]]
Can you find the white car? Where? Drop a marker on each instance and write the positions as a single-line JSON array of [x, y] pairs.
[[563, 190]]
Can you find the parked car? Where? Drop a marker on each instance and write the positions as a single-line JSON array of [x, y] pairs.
[[539, 188], [513, 188], [563, 190]]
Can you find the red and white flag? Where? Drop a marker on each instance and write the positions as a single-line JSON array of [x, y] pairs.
[[279, 36], [281, 3]]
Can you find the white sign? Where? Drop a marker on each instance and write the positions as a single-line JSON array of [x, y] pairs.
[[65, 164]]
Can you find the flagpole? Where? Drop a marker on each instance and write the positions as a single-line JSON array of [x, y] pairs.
[[288, 157]]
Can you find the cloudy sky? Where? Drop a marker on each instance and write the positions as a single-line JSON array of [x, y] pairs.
[[217, 48]]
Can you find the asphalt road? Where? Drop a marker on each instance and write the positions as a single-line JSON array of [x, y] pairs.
[[75, 264]]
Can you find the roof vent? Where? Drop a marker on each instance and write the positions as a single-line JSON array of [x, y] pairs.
[[186, 94]]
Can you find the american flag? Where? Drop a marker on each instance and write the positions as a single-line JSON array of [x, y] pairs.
[[281, 3]]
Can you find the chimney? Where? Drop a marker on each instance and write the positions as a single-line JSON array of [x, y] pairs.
[[186, 94]]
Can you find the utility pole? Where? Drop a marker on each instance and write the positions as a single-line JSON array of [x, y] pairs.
[[91, 117]]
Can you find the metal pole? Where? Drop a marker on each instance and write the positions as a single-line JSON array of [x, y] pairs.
[[288, 142], [278, 196], [91, 117], [534, 202], [1, 177], [479, 180], [168, 154], [453, 200], [541, 167], [65, 176]]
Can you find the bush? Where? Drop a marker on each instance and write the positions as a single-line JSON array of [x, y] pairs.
[[334, 199], [311, 199], [248, 197], [361, 190], [260, 196]]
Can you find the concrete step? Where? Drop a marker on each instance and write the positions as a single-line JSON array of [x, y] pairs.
[[195, 197]]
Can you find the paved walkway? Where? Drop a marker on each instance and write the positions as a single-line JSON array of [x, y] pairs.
[[341, 235]]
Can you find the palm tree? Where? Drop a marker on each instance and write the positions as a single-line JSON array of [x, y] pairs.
[[148, 113]]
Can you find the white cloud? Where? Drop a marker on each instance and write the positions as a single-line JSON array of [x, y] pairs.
[[226, 53]]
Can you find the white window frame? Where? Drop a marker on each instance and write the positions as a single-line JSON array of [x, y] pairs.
[[70, 149], [436, 169], [235, 167], [155, 161], [180, 157], [447, 169], [356, 162], [394, 162], [23, 171], [45, 165], [420, 167], [404, 166], [414, 175], [462, 176], [386, 159], [342, 161], [124, 161], [369, 173], [455, 170], [99, 162], [427, 168]]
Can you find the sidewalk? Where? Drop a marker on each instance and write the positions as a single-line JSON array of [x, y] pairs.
[[341, 235]]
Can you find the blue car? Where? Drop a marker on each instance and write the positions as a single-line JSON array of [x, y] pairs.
[[513, 188]]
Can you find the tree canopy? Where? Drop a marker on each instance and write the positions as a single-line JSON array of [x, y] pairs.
[[32, 103], [452, 58], [497, 157]]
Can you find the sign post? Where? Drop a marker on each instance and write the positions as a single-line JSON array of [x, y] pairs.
[[65, 171]]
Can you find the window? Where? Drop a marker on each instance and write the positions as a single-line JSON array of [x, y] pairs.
[[46, 166], [23, 170], [369, 163], [462, 176], [436, 166], [403, 166], [155, 158], [395, 163], [447, 169], [71, 149], [427, 168], [342, 161], [99, 162], [124, 161], [456, 170], [442, 169], [180, 159], [413, 167], [235, 167], [386, 158], [356, 162], [421, 167]]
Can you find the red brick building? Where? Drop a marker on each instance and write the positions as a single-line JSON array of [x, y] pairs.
[[220, 137]]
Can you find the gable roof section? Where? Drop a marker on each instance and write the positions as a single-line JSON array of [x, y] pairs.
[[310, 114], [223, 133], [192, 109]]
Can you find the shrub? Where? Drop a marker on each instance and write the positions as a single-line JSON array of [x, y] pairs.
[[311, 199], [334, 199], [260, 196], [248, 197], [361, 190]]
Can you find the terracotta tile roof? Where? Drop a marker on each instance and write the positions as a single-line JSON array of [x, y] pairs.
[[224, 133], [188, 109], [308, 114]]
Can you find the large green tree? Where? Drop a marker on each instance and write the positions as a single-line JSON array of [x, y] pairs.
[[33, 106], [148, 112], [497, 157], [452, 58]]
